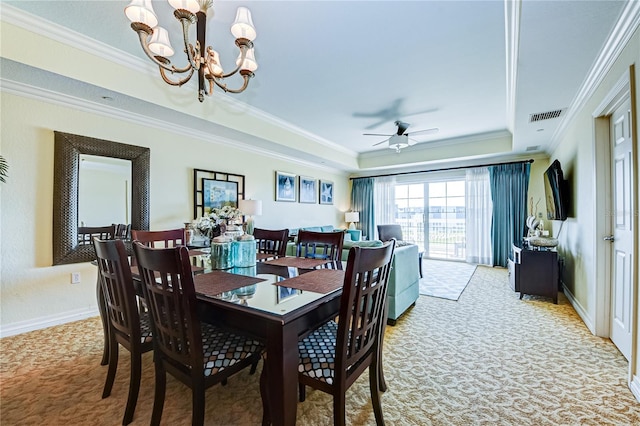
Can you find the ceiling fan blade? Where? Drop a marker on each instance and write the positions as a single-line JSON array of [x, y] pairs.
[[374, 134], [424, 132], [380, 143]]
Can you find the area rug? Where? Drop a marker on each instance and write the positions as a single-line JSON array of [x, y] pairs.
[[445, 279]]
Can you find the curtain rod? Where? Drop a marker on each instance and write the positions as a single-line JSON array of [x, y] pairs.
[[443, 170]]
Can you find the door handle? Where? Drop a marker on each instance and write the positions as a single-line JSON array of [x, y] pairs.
[[609, 238]]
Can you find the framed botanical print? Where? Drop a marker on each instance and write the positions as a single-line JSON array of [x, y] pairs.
[[285, 187], [326, 192], [308, 190]]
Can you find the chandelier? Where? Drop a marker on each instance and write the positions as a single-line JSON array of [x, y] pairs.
[[203, 61]]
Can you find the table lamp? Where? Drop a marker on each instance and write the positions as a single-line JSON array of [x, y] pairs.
[[250, 208], [352, 218]]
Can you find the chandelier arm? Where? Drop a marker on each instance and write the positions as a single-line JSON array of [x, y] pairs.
[[187, 18], [246, 75], [144, 31], [244, 45], [175, 83]]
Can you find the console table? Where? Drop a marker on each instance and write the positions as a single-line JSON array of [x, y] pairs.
[[534, 272]]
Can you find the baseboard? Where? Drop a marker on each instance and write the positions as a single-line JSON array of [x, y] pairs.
[[47, 321], [635, 387], [580, 310]]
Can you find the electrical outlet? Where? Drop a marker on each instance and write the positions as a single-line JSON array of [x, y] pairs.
[[75, 278], [540, 215]]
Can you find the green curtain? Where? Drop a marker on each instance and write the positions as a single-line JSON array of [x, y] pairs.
[[509, 185], [362, 201]]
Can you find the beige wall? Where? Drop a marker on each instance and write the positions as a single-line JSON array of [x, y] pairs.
[[36, 293], [579, 245]]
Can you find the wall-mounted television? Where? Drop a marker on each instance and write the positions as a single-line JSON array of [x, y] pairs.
[[556, 191]]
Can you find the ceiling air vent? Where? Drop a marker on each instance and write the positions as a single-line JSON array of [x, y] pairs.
[[545, 115], [533, 148]]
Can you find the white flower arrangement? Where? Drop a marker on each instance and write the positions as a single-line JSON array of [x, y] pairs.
[[218, 216]]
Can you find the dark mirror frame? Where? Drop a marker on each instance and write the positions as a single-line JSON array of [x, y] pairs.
[[66, 162]]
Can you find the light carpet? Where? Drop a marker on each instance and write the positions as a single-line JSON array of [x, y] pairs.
[[488, 359], [445, 279]]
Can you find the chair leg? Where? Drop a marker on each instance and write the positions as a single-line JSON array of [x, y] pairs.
[[302, 392], [113, 366], [266, 414], [158, 398], [134, 387], [254, 366], [197, 404], [374, 386], [339, 415]]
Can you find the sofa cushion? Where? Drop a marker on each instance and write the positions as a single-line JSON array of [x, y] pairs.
[[348, 244]]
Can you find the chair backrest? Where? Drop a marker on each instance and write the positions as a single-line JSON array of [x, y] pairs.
[[162, 239], [362, 309], [114, 274], [171, 299], [271, 241], [320, 245], [389, 232], [168, 238], [122, 231], [87, 233]]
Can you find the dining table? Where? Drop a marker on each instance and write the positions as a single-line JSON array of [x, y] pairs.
[[276, 301]]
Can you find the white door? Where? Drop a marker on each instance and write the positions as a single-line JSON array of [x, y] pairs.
[[622, 241]]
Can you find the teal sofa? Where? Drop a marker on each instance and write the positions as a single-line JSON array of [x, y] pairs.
[[404, 279]]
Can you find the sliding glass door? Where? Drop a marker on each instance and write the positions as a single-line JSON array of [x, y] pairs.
[[432, 214]]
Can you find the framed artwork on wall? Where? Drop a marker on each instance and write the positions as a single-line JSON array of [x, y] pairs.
[[285, 187], [219, 193], [326, 192], [214, 190], [308, 190]]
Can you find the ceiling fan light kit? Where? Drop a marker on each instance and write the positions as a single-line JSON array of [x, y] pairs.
[[205, 62], [401, 138]]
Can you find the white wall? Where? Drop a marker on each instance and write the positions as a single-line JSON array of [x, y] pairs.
[[34, 293], [579, 245]]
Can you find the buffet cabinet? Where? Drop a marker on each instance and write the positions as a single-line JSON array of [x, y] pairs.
[[534, 272]]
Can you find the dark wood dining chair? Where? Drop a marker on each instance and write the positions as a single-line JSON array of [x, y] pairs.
[[271, 241], [127, 326], [198, 354], [320, 245], [166, 238], [86, 234], [333, 356], [122, 231]]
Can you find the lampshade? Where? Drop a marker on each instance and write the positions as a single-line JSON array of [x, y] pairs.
[[191, 5], [250, 207], [159, 43], [351, 217], [243, 25], [249, 61], [141, 11]]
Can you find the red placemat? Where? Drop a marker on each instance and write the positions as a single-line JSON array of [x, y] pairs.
[[318, 281], [216, 282], [298, 262]]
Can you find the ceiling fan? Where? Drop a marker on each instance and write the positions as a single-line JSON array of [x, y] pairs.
[[401, 139]]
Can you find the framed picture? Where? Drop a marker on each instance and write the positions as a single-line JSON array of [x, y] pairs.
[[284, 293], [308, 190], [215, 189], [285, 187], [326, 192], [219, 193]]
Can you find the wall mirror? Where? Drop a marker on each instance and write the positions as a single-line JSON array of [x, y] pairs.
[[66, 189]]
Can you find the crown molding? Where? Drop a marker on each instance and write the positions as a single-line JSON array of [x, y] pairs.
[[620, 35], [512, 14], [56, 98], [61, 34]]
